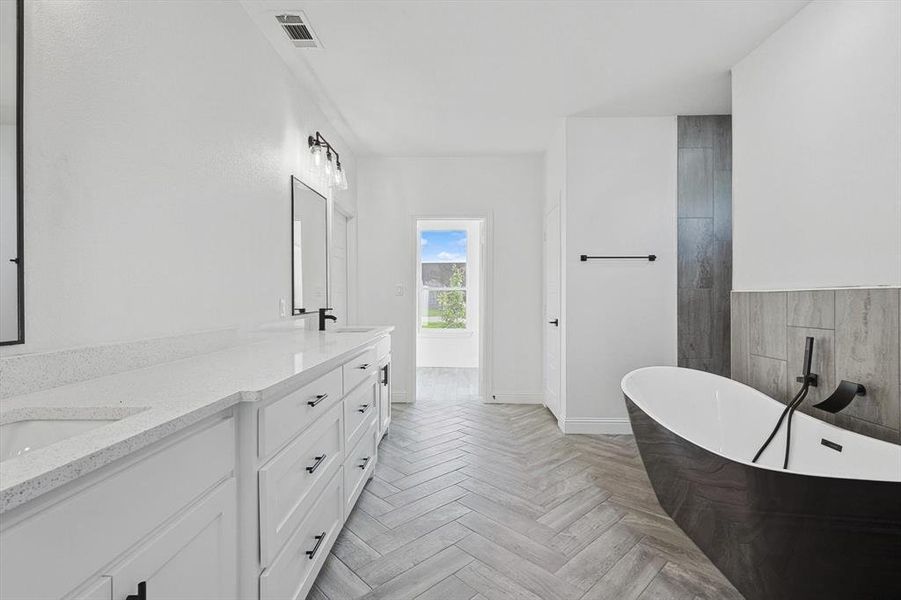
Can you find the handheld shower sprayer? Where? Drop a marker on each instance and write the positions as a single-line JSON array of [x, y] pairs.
[[806, 380]]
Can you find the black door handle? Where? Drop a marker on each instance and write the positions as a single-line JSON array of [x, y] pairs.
[[365, 462], [319, 398], [319, 538], [555, 322], [142, 592], [363, 408], [312, 468]]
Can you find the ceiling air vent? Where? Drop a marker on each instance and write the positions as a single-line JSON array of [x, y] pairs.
[[298, 30]]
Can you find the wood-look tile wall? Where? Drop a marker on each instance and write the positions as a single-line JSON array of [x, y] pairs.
[[856, 337], [704, 242]]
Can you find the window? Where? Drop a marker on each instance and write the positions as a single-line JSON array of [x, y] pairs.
[[443, 273]]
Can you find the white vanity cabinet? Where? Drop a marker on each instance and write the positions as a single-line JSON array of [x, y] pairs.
[[192, 558], [245, 503], [315, 447], [383, 352], [165, 515], [384, 395]]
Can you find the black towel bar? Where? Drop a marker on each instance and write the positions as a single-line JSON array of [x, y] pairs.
[[648, 257]]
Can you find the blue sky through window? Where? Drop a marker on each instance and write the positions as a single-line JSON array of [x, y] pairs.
[[443, 245]]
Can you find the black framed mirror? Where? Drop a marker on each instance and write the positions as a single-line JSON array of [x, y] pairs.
[[12, 265], [309, 249]]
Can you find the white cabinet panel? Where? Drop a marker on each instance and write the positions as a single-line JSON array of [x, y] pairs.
[[193, 558], [384, 396], [359, 464], [82, 533], [294, 570], [292, 480], [102, 589], [358, 407], [285, 418], [359, 368]]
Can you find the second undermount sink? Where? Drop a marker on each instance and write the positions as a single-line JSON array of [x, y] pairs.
[[20, 437]]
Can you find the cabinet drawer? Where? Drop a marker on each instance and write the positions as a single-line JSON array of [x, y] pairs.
[[357, 369], [359, 405], [290, 482], [359, 464], [80, 534], [294, 570], [285, 418]]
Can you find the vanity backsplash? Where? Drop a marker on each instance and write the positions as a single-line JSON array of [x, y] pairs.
[[856, 338], [26, 373]]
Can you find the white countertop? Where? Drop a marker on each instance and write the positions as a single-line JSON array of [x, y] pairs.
[[164, 398]]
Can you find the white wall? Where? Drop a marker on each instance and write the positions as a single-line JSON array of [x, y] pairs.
[[817, 151], [506, 190], [9, 272], [158, 155], [620, 315]]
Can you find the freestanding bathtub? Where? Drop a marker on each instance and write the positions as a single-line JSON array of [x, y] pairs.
[[828, 527]]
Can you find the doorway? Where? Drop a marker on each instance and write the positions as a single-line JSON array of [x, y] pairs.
[[450, 309], [552, 311]]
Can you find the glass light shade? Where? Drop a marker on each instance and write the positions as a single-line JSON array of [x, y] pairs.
[[317, 153], [340, 178]]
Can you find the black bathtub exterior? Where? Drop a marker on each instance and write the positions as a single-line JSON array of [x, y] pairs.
[[777, 535]]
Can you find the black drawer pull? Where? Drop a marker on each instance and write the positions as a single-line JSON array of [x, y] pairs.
[[319, 398], [363, 408], [365, 462], [385, 378], [142, 592], [312, 468], [364, 366], [319, 538]]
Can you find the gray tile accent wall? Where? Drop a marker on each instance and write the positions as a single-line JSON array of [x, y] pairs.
[[857, 335], [705, 242]]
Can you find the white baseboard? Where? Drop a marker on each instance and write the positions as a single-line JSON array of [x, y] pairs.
[[515, 398], [615, 426], [400, 397]]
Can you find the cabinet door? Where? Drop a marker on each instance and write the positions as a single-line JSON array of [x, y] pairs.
[[193, 557], [384, 397]]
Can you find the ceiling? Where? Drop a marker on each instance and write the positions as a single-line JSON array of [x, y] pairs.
[[436, 78]]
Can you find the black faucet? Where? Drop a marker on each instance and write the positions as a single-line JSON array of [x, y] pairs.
[[324, 316], [842, 396]]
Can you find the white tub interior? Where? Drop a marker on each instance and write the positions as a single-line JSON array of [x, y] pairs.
[[733, 420]]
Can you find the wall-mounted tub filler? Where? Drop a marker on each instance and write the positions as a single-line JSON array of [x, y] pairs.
[[842, 396], [806, 380]]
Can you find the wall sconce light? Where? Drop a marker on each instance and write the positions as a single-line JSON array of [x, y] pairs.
[[322, 168]]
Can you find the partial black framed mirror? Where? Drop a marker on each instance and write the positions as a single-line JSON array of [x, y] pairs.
[[12, 265], [309, 249]]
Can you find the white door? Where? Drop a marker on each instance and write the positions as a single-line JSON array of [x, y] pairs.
[[193, 558], [338, 273], [552, 310]]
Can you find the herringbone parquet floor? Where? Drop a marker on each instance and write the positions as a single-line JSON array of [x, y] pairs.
[[489, 501]]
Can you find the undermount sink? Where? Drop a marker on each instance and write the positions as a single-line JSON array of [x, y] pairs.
[[352, 329], [19, 437]]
